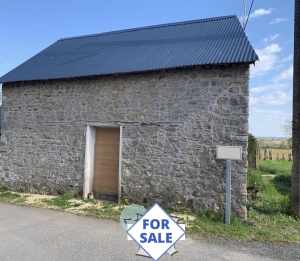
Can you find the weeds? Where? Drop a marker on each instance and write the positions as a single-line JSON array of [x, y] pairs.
[[108, 210], [6, 196], [61, 201]]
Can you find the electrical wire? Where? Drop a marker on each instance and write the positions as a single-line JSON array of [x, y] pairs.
[[248, 15], [241, 9]]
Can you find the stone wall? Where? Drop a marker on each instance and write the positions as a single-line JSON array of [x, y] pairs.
[[172, 121]]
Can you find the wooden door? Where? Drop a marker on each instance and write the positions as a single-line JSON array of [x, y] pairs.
[[106, 163]]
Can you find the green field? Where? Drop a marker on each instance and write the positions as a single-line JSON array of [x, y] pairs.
[[280, 168]]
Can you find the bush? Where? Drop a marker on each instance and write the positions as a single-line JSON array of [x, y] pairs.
[[252, 145]]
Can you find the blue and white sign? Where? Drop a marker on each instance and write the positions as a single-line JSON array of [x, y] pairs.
[[156, 232]]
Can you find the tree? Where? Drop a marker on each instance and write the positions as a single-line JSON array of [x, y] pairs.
[[290, 143], [261, 143], [283, 144], [287, 127], [252, 153]]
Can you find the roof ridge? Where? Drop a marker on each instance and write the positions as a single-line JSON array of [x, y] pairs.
[[149, 27]]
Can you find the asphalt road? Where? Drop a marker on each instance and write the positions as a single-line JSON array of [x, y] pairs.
[[42, 234]]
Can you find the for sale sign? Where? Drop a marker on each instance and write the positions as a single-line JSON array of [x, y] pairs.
[[156, 232]]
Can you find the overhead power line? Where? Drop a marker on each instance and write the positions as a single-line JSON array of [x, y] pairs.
[[248, 15], [245, 14]]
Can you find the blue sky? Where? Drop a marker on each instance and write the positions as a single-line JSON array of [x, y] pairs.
[[27, 27]]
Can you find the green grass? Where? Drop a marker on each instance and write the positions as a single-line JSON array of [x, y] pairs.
[[271, 210], [7, 196], [108, 210], [259, 226], [61, 202], [284, 179], [275, 166], [282, 169], [270, 199], [20, 200]]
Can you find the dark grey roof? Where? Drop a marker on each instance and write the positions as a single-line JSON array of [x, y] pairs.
[[218, 40]]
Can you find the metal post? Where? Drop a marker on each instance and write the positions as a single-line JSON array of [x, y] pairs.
[[228, 191]]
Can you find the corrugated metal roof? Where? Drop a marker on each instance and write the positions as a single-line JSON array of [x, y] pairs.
[[217, 40]]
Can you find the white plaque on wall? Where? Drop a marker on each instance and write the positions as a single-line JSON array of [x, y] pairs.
[[229, 152]]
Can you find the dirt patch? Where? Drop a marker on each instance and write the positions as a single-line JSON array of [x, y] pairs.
[[34, 198], [185, 217], [80, 204]]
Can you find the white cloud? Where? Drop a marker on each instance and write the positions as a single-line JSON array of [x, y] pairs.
[[289, 58], [274, 37], [274, 98], [278, 20], [276, 83], [284, 75], [272, 114], [261, 12], [270, 38], [267, 123], [267, 60], [270, 49], [273, 86]]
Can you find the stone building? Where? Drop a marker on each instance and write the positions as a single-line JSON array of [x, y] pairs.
[[0, 118], [133, 115]]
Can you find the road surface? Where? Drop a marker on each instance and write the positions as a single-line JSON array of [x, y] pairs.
[[43, 234]]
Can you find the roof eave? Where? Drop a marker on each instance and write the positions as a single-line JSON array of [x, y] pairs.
[[131, 72]]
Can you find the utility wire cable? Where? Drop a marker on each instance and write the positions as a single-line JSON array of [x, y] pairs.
[[241, 10], [248, 14]]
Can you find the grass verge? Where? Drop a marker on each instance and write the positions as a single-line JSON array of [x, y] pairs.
[[7, 196], [268, 215]]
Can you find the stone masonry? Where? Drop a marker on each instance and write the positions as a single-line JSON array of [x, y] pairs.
[[172, 121]]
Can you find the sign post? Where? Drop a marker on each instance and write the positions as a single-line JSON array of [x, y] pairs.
[[229, 153], [228, 191]]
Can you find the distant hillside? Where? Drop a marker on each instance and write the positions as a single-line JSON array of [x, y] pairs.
[[271, 138]]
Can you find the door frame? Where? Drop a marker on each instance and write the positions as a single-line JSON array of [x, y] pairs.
[[90, 142]]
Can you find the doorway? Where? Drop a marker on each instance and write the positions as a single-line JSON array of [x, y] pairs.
[[102, 170], [106, 163]]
